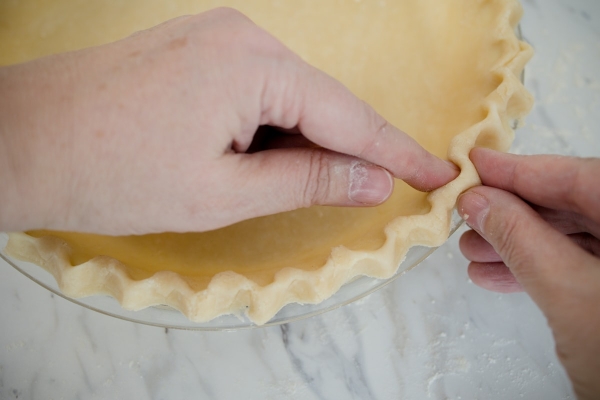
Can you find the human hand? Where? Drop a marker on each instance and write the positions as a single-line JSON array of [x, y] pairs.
[[151, 134], [536, 227]]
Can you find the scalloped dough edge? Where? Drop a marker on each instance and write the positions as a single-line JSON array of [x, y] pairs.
[[232, 293]]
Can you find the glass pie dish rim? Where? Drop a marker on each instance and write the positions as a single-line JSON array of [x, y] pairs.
[[167, 317]]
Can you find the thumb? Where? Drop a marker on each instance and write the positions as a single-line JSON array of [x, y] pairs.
[[287, 179], [549, 266]]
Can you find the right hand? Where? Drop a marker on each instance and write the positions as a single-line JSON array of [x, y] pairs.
[[536, 227]]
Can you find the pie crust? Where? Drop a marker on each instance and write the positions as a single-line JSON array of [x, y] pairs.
[[446, 72]]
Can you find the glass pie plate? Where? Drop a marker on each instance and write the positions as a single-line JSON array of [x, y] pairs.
[[167, 317]]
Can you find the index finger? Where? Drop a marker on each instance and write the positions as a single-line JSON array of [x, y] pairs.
[[557, 182], [331, 116]]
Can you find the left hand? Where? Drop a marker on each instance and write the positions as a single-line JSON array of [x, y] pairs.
[[151, 134]]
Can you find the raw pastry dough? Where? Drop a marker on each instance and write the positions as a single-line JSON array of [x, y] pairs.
[[444, 71]]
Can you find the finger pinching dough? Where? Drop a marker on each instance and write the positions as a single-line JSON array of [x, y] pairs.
[[447, 72]]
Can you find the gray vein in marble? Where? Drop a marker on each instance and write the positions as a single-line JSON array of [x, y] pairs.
[[87, 333], [202, 382], [298, 346], [83, 370]]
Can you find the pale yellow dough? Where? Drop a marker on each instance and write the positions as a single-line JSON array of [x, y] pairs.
[[446, 72]]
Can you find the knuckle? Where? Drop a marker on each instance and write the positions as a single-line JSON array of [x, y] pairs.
[[378, 127], [584, 192], [575, 184], [316, 182], [248, 34], [506, 239], [229, 13], [282, 95], [228, 28]]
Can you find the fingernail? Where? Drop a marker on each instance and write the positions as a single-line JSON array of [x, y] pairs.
[[369, 184], [473, 208]]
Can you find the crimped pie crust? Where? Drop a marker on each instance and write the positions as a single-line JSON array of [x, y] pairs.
[[446, 72]]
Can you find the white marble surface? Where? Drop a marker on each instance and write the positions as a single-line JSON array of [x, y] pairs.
[[429, 335]]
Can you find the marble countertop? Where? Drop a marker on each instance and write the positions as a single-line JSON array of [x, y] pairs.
[[431, 334]]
